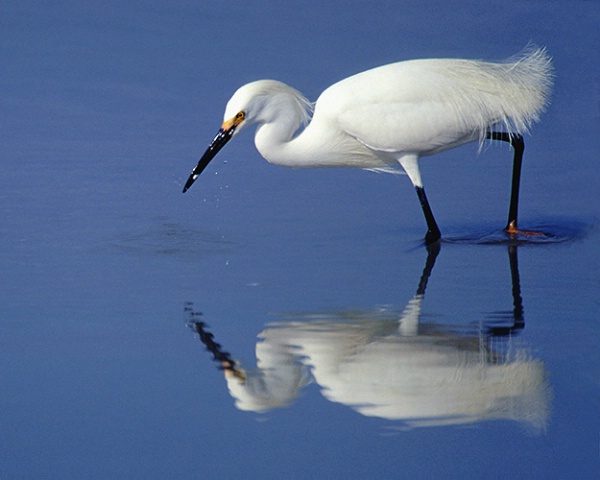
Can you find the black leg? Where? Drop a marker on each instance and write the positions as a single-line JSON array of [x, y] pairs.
[[518, 145], [433, 232]]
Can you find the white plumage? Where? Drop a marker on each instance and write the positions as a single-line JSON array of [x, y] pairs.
[[390, 115]]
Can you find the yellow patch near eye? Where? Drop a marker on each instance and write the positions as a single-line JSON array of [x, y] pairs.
[[227, 124], [233, 122]]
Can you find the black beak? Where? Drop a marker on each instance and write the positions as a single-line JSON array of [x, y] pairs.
[[222, 137]]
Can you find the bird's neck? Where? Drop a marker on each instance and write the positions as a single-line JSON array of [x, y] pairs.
[[275, 143]]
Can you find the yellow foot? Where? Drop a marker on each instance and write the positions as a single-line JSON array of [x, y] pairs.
[[512, 229]]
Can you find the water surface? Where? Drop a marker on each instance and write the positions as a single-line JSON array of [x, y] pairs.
[[343, 350]]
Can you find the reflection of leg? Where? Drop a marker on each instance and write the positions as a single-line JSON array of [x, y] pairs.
[[432, 252], [517, 317], [516, 287], [409, 321]]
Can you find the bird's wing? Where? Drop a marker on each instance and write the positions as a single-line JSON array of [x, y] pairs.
[[419, 106], [420, 128]]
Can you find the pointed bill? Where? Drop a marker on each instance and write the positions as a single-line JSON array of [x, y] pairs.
[[221, 138]]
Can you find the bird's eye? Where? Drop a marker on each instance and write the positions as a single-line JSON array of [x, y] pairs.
[[239, 118]]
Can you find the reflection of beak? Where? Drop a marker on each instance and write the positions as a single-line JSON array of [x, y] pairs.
[[221, 138], [231, 371]]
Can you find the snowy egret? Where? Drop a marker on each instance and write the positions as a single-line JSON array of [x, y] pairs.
[[393, 115]]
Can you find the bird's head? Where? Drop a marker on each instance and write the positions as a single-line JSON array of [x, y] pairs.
[[262, 101]]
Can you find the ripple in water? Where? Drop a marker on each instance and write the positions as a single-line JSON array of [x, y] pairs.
[[170, 238], [546, 232]]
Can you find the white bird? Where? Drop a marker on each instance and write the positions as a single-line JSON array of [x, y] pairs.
[[393, 115]]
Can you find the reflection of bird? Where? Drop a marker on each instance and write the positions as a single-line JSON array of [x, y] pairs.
[[392, 365], [391, 116], [389, 365]]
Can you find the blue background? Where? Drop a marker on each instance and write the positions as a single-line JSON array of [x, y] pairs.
[[106, 107]]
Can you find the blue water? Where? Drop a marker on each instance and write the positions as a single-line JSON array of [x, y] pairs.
[[308, 285]]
